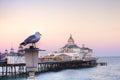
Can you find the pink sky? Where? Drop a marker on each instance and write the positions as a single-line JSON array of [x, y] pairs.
[[95, 23]]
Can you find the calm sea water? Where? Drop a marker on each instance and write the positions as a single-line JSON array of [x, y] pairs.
[[109, 72]]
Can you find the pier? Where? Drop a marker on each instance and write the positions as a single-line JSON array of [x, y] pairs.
[[27, 62], [16, 69]]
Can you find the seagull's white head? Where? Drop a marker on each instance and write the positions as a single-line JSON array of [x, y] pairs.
[[37, 34]]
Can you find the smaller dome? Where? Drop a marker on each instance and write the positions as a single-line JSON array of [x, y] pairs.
[[86, 48], [6, 51], [11, 50]]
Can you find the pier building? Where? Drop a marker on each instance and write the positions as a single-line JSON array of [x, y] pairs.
[[16, 57], [74, 52]]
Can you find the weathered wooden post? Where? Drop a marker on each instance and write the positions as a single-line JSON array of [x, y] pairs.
[[31, 57]]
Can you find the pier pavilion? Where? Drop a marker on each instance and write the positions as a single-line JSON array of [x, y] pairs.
[[76, 52]]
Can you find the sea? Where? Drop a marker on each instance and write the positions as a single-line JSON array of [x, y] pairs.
[[109, 72]]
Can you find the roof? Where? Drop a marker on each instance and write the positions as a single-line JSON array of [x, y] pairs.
[[15, 54], [64, 55], [71, 46], [85, 48]]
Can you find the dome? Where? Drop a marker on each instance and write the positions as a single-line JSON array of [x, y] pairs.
[[70, 46], [70, 40]]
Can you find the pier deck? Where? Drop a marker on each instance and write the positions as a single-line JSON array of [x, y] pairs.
[[14, 69]]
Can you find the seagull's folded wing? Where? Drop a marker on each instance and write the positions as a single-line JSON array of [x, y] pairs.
[[30, 38]]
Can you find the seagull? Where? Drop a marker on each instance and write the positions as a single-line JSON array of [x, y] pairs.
[[31, 39]]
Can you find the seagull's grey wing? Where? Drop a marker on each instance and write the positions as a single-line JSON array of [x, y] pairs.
[[29, 39]]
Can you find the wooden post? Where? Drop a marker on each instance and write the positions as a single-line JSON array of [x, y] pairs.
[[6, 70], [2, 70], [31, 57]]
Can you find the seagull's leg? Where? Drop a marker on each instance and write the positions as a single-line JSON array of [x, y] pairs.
[[35, 45]]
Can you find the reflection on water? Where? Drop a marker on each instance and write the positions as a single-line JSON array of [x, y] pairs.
[[109, 72]]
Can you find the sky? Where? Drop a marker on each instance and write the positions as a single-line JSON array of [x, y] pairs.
[[95, 23]]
